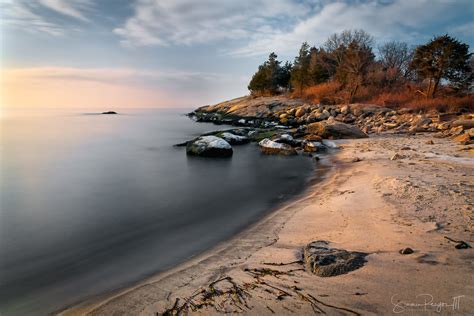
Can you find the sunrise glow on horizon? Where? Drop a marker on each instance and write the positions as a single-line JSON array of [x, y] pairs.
[[147, 53]]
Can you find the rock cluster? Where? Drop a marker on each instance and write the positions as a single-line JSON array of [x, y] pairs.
[[287, 126], [281, 111], [271, 141]]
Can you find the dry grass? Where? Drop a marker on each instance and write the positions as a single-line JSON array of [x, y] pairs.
[[417, 102], [404, 97], [325, 93], [393, 99]]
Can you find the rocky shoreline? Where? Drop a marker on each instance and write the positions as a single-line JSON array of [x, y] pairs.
[[375, 233], [397, 198], [288, 126]]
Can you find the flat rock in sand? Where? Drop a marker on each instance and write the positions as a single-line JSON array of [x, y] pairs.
[[326, 262]]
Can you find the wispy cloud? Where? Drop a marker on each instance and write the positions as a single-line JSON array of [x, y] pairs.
[[122, 86], [33, 16], [71, 8], [168, 22], [397, 20], [261, 26], [19, 14], [466, 29], [113, 75]]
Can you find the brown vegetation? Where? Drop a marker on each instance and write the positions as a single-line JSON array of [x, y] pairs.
[[407, 97], [435, 76]]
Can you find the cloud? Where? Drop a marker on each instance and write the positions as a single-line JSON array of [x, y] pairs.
[[261, 26], [398, 20], [71, 8], [128, 87], [20, 15], [187, 22], [466, 29], [32, 16], [114, 75]]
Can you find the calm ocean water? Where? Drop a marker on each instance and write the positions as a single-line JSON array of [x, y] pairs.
[[91, 203]]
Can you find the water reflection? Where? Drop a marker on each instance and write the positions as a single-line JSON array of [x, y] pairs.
[[93, 202]]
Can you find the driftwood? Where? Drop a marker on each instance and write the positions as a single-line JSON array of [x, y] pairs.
[[225, 295], [235, 296]]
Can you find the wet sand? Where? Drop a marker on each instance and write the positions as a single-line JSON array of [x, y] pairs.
[[366, 202]]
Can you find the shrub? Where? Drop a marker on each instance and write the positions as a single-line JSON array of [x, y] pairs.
[[393, 99], [444, 104], [326, 93], [410, 100]]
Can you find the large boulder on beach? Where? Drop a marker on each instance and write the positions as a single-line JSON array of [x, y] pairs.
[[271, 147], [335, 130], [233, 139], [209, 146], [324, 261], [466, 124]]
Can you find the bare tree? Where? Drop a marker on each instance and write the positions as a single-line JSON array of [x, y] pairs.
[[354, 67], [337, 44], [395, 58], [348, 57]]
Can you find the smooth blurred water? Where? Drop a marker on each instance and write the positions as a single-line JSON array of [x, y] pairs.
[[90, 203]]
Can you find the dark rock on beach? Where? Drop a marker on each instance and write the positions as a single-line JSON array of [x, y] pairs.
[[324, 261], [335, 130], [406, 251]]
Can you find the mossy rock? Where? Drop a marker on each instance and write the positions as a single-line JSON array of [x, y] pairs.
[[261, 135]]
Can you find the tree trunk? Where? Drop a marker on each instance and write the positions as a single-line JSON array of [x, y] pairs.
[[353, 93], [428, 91], [435, 87]]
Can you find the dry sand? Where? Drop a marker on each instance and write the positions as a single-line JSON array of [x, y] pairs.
[[375, 205]]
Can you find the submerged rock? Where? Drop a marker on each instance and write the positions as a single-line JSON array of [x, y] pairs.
[[259, 135], [233, 139], [270, 147], [329, 144], [287, 139], [326, 262], [312, 147], [209, 146]]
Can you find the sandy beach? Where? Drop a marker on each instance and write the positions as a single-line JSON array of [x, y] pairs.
[[378, 196]]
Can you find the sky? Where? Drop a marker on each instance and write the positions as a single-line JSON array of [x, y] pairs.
[[109, 54]]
